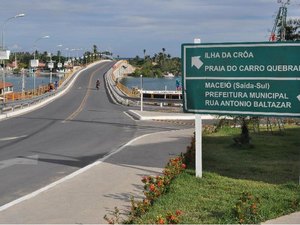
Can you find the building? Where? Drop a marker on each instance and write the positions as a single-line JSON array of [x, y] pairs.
[[8, 88]]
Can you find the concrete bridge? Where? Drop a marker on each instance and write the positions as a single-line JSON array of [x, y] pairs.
[[126, 96]]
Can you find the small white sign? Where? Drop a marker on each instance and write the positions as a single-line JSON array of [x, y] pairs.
[[4, 54], [34, 63], [50, 65], [59, 65]]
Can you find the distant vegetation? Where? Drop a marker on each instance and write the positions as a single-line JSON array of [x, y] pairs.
[[23, 58], [161, 63]]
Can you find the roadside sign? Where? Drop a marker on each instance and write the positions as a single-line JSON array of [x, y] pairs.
[[242, 78], [50, 65], [4, 54], [34, 62]]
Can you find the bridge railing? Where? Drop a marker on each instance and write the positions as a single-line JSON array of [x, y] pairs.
[[21, 100], [123, 95]]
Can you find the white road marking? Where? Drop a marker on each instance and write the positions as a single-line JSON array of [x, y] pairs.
[[130, 116], [12, 138]]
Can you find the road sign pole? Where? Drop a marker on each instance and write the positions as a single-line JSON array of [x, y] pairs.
[[198, 136], [198, 145]]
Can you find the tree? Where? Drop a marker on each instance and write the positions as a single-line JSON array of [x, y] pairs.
[[95, 49], [144, 53], [244, 138], [156, 66], [163, 56]]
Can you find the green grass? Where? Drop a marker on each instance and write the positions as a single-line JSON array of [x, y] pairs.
[[269, 170], [273, 158], [212, 198]]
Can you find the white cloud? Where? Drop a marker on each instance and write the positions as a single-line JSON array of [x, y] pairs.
[[129, 26]]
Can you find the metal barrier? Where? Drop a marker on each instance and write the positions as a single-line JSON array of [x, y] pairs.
[[123, 95], [12, 105], [15, 101]]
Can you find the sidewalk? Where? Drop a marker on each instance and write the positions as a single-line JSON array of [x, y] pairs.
[[293, 218], [152, 115], [90, 193]]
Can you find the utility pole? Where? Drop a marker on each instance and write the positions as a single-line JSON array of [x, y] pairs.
[[280, 22]]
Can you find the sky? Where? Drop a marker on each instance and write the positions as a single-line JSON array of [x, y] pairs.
[[127, 27]]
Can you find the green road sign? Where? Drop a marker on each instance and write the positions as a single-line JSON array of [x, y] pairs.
[[242, 78]]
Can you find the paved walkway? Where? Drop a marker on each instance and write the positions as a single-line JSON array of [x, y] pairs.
[[152, 115], [293, 218]]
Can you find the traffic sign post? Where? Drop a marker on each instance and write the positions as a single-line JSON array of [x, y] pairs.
[[259, 79]]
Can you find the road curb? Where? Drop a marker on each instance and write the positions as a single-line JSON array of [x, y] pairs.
[[150, 115]]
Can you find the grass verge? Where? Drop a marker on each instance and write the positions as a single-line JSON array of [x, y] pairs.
[[268, 171], [212, 199], [273, 158]]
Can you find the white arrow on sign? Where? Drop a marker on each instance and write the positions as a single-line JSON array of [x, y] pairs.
[[298, 97], [196, 61], [28, 160]]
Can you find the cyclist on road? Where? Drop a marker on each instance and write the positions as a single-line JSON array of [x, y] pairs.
[[97, 84]]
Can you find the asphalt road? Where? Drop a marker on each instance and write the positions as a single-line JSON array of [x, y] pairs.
[[75, 130]]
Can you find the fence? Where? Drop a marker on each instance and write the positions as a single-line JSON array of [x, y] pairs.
[[22, 100], [14, 96]]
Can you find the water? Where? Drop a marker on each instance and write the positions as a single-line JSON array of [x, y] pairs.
[[16, 80], [151, 83], [148, 83]]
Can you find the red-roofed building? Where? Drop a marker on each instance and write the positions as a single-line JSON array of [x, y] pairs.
[[8, 88]]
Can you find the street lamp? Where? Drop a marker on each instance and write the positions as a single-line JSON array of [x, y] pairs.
[[34, 62], [34, 43], [59, 64], [3, 27], [6, 55], [50, 66]]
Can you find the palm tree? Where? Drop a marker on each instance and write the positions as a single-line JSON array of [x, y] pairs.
[[95, 49], [163, 56], [95, 52], [144, 54]]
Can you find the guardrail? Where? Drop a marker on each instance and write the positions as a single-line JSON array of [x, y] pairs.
[[120, 94], [12, 105]]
